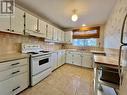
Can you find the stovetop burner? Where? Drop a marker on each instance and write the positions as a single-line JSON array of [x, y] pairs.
[[32, 53]]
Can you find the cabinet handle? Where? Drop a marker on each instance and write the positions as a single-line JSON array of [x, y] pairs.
[[15, 64], [15, 72], [15, 88], [8, 29]]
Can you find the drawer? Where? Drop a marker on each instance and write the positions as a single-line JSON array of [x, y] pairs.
[[14, 85], [13, 72], [21, 82], [13, 64]]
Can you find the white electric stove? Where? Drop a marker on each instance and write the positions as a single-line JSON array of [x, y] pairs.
[[40, 62]]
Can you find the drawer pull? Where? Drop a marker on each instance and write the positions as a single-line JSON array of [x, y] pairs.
[[15, 88], [8, 29], [15, 64], [15, 72]]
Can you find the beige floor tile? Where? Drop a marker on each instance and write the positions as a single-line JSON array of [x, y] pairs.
[[66, 80]]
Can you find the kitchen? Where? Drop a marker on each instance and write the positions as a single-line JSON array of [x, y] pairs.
[[69, 48]]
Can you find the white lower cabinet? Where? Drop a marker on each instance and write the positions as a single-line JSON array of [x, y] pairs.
[[57, 59], [74, 58], [6, 87], [87, 60], [61, 58], [14, 85], [69, 57], [79, 59], [14, 80], [54, 60]]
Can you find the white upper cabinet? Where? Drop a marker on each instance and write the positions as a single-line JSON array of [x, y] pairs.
[[68, 36], [62, 36], [59, 35], [55, 34], [31, 22], [42, 28], [49, 32], [17, 22], [13, 23], [5, 23]]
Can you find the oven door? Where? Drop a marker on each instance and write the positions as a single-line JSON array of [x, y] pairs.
[[40, 63]]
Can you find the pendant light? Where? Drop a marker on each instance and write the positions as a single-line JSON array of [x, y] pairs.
[[74, 17]]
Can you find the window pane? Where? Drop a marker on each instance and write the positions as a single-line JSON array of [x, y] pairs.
[[85, 42]]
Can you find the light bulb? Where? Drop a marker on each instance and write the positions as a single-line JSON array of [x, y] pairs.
[[83, 24], [74, 17]]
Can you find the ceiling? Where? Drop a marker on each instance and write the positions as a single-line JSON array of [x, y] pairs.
[[59, 12]]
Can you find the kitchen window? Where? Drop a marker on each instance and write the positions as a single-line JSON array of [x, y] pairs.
[[85, 42], [86, 36]]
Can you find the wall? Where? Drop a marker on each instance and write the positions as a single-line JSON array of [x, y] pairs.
[[114, 25], [10, 43]]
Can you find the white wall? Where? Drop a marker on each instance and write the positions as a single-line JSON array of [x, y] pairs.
[[101, 39], [114, 25]]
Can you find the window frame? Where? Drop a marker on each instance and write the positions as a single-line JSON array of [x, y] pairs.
[[84, 29]]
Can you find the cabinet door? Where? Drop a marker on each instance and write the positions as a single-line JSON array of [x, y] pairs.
[[77, 59], [5, 23], [87, 60], [54, 61], [63, 57], [59, 58], [42, 28], [49, 32], [20, 83], [17, 21], [55, 34], [69, 58], [14, 85], [31, 22], [68, 36], [6, 87], [62, 34], [59, 35]]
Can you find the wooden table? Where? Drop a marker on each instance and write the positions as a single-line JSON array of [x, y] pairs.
[[99, 62]]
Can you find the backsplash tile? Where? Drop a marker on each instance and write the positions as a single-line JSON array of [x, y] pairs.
[[11, 43]]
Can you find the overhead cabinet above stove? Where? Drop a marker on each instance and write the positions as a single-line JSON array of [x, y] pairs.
[[13, 23], [24, 23], [30, 22]]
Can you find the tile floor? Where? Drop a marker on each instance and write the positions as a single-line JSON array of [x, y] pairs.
[[66, 80]]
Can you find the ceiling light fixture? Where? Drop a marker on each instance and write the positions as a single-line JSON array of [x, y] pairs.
[[83, 24], [74, 17]]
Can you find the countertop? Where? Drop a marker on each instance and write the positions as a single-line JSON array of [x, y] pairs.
[[14, 56], [98, 52], [76, 50], [106, 60]]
